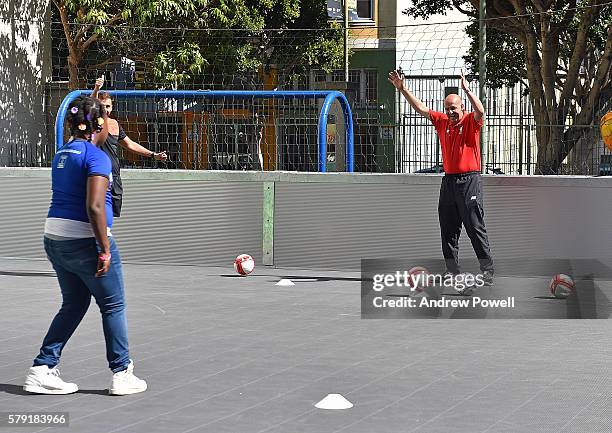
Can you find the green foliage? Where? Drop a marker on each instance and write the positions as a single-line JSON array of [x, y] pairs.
[[505, 57], [178, 65], [505, 54], [426, 8], [178, 42]]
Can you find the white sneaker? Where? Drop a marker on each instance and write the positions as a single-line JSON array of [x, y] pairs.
[[44, 380], [124, 382]]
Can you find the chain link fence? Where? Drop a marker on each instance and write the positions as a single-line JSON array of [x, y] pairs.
[[226, 134]]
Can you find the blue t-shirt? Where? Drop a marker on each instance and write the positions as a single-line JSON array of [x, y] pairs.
[[72, 165]]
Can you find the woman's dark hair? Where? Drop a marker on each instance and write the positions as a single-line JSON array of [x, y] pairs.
[[83, 114]]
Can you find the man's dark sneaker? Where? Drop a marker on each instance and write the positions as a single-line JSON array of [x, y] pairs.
[[487, 277], [468, 284]]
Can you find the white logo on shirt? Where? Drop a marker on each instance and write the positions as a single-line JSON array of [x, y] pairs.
[[473, 197], [62, 161], [448, 130]]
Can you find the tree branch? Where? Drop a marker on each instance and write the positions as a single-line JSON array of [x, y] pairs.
[[569, 15], [531, 51], [536, 91], [499, 17], [95, 36], [507, 23], [576, 59], [550, 60], [471, 13], [539, 5], [65, 25], [601, 81], [99, 65], [84, 29]]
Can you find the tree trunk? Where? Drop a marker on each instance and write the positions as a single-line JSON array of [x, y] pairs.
[[585, 154], [73, 70], [553, 149], [547, 162]]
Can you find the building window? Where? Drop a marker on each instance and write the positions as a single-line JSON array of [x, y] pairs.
[[366, 81], [321, 76], [338, 75], [371, 86], [354, 76], [365, 11]]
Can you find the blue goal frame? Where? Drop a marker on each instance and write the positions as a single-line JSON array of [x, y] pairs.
[[329, 97]]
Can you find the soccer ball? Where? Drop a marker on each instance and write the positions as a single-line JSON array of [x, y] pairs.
[[244, 264], [605, 125], [562, 286], [416, 279]]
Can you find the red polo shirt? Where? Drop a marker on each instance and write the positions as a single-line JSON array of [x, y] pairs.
[[460, 142]]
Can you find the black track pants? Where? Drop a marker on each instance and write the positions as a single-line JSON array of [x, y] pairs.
[[461, 202]]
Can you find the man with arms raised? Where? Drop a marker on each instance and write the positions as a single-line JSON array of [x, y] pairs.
[[461, 199]]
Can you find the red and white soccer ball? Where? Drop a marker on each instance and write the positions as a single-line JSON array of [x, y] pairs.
[[244, 264], [562, 286], [417, 277]]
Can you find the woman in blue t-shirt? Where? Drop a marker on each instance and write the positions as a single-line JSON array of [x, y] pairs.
[[79, 245]]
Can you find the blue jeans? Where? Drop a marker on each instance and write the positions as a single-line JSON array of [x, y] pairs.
[[75, 263]]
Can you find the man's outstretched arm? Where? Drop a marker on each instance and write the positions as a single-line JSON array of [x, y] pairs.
[[397, 79], [476, 104]]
